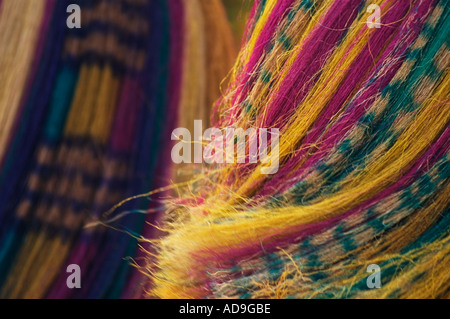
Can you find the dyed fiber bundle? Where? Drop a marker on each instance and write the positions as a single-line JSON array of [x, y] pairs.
[[83, 117], [363, 174]]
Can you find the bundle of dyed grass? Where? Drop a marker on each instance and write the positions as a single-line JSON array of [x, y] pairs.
[[363, 175], [84, 113]]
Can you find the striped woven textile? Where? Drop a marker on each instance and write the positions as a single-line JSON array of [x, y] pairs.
[[364, 170], [84, 116]]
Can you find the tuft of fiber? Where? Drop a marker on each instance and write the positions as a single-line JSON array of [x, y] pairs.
[[364, 156]]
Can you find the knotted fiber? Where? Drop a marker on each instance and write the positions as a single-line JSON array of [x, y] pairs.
[[364, 119], [84, 115]]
